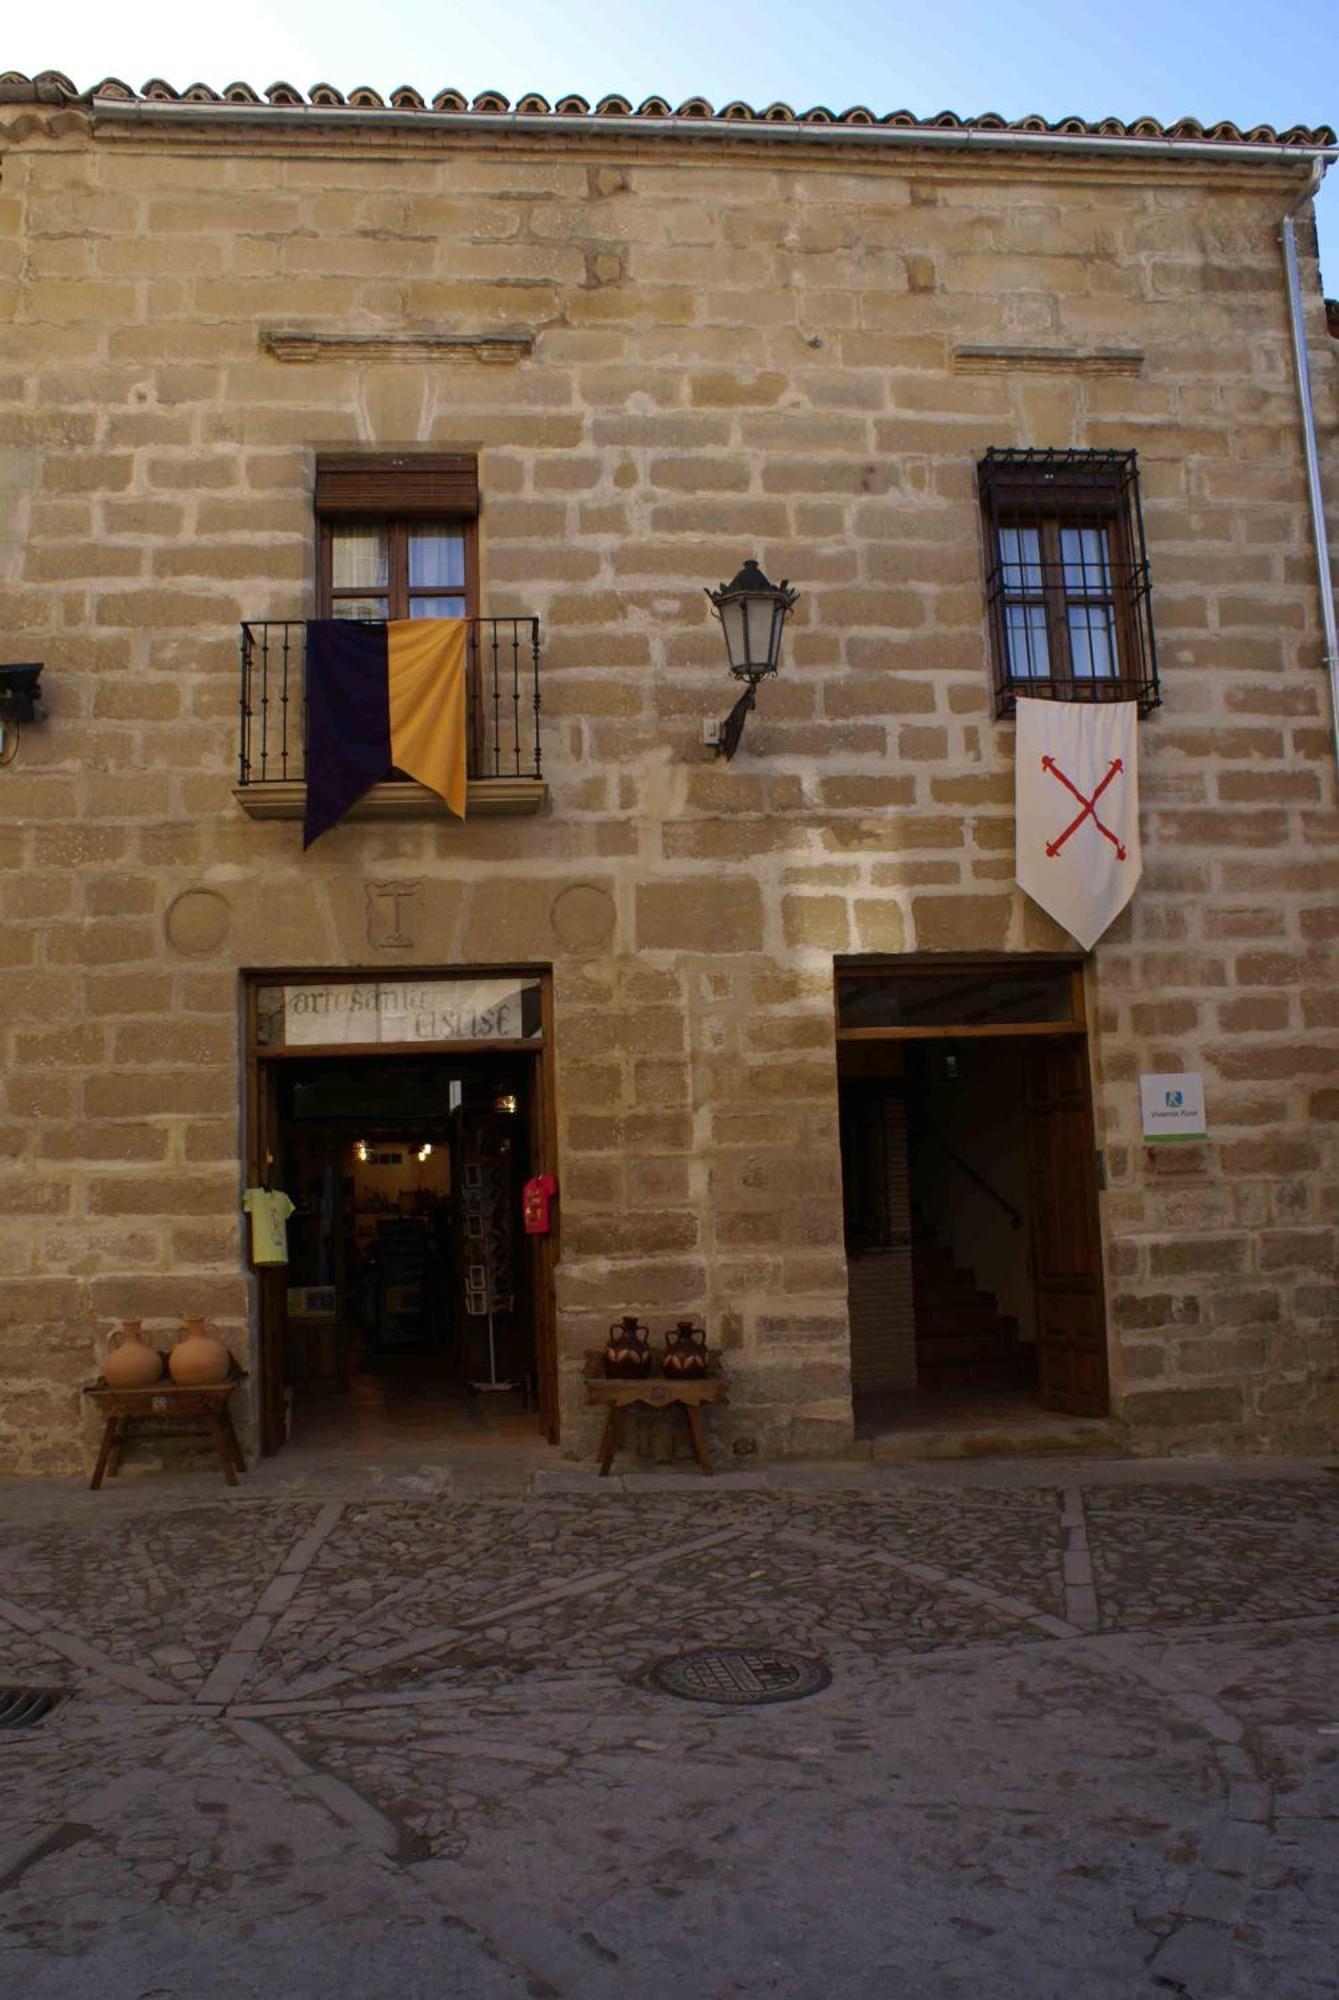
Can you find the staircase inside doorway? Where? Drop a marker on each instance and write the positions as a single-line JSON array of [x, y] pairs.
[[969, 1196], [963, 1340]]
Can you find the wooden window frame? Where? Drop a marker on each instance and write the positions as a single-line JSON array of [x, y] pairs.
[[397, 493], [1047, 491]]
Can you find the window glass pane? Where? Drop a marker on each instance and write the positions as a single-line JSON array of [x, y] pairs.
[[1092, 641], [437, 559], [958, 1000], [358, 559], [436, 607], [358, 607], [1083, 556], [1020, 558], [1025, 635]]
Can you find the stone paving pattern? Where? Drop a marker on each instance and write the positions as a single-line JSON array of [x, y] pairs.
[[1082, 1737]]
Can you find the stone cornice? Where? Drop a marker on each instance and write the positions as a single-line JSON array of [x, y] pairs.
[[297, 347], [983, 360]]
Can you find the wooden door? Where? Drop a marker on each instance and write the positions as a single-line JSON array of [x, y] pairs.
[[1066, 1242]]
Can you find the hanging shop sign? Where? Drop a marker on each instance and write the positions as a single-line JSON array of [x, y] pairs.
[[1173, 1106], [334, 1012]]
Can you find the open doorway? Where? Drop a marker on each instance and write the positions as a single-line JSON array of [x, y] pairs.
[[408, 1292], [415, 1307], [970, 1183]]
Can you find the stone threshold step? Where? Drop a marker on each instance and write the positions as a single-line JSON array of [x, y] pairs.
[[1058, 1437]]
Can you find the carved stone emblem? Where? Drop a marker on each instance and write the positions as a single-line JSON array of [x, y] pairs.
[[392, 914], [583, 916], [197, 922]]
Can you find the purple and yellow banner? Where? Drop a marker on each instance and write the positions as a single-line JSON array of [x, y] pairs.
[[380, 696]]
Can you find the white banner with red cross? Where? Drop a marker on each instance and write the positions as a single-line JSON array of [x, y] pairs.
[[1077, 792]]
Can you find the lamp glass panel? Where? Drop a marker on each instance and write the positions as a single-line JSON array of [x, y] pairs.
[[779, 612], [732, 621], [758, 611]]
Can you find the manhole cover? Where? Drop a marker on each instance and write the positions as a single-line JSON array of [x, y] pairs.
[[740, 1675], [21, 1707]]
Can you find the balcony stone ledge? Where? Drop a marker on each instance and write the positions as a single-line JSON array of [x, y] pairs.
[[485, 798]]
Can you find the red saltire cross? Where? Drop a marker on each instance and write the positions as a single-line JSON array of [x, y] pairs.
[[1053, 847]]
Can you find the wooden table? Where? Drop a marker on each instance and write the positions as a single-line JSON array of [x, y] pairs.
[[166, 1403], [617, 1394]]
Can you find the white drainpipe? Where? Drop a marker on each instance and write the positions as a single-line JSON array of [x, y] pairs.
[[1302, 369]]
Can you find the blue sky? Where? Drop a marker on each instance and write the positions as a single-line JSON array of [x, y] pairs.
[[1228, 59]]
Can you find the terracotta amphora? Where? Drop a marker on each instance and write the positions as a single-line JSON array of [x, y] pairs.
[[199, 1359], [132, 1363], [686, 1357], [628, 1350]]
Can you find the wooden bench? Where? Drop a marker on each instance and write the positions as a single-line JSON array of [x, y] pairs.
[[164, 1404], [617, 1394]]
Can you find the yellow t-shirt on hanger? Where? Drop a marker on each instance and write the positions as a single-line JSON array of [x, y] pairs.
[[269, 1210]]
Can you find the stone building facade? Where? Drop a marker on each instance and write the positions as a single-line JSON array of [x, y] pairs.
[[666, 342]]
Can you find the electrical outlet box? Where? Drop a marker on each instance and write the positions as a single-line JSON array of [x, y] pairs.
[[711, 732]]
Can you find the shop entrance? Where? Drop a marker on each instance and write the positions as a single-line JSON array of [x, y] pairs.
[[970, 1191], [414, 1307]]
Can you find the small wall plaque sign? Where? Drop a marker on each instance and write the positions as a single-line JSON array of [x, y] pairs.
[[1173, 1106]]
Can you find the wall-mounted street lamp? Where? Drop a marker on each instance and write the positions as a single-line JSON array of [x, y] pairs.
[[753, 614]]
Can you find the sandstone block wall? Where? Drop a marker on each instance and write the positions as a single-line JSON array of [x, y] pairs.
[[737, 351]]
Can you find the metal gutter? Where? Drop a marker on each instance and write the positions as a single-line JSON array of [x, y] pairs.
[[1310, 449], [298, 117]]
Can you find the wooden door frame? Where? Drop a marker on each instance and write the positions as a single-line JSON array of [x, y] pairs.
[[967, 966], [260, 1139]]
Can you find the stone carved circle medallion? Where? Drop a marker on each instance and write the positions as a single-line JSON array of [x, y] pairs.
[[197, 922], [583, 916]]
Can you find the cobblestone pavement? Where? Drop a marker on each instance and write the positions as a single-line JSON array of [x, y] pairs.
[[1081, 1738]]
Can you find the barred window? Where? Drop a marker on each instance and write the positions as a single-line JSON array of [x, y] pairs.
[[1067, 577]]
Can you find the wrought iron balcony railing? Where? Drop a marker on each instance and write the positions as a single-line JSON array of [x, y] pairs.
[[502, 700]]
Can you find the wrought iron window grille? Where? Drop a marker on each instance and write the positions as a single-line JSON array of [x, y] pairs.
[[1067, 584], [503, 700]]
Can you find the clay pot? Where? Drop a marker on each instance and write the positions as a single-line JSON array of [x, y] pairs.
[[199, 1359], [132, 1363], [628, 1350], [686, 1357]]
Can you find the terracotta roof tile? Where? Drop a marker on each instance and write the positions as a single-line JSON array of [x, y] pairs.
[[54, 87]]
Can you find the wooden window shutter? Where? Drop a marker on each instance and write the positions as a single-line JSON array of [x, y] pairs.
[[411, 486]]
